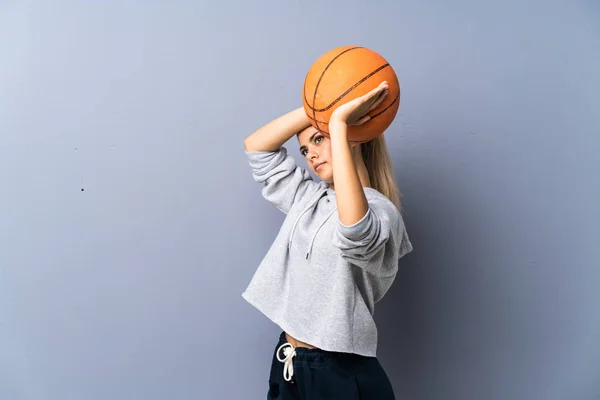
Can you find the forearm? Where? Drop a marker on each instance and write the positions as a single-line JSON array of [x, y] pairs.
[[350, 196], [273, 135]]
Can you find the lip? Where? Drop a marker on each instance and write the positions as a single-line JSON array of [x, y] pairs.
[[318, 165]]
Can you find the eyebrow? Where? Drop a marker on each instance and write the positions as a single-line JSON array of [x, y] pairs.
[[312, 138]]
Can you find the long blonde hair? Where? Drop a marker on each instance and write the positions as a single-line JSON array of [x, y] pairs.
[[381, 172]]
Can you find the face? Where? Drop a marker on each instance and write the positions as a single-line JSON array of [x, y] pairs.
[[315, 147]]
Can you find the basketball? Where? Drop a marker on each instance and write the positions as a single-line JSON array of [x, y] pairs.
[[343, 74]]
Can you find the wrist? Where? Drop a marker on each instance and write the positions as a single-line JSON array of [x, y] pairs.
[[338, 130], [301, 118], [337, 120]]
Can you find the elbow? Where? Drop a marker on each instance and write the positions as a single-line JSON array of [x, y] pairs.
[[363, 256], [254, 143], [248, 143], [364, 242], [372, 262]]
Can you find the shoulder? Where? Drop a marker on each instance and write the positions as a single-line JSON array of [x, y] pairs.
[[384, 207], [376, 197], [371, 193]]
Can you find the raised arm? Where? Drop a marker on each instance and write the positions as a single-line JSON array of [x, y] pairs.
[[273, 135], [283, 181], [351, 201]]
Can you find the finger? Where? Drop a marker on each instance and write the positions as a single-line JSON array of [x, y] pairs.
[[375, 100], [370, 99], [379, 100], [375, 92], [363, 120], [383, 86], [380, 90]]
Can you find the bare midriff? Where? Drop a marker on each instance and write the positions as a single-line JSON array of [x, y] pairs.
[[297, 343]]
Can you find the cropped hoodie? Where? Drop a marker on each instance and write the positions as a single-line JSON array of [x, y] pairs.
[[320, 279]]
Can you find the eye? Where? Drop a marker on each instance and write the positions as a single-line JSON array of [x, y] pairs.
[[317, 140]]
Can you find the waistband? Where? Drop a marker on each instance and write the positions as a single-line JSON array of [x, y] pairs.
[[306, 354], [300, 357], [292, 357], [318, 355]]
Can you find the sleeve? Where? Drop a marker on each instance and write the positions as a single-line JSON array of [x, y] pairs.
[[377, 241], [284, 182]]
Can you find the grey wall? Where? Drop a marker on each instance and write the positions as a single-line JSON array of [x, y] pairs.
[[131, 288]]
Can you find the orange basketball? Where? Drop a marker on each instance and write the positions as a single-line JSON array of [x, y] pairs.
[[343, 74]]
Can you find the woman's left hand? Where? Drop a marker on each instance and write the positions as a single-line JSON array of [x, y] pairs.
[[355, 111]]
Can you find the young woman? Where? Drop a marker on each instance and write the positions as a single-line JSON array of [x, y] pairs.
[[335, 256]]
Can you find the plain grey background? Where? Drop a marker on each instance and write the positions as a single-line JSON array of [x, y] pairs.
[[130, 224]]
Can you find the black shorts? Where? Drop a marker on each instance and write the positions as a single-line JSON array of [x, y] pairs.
[[320, 375]]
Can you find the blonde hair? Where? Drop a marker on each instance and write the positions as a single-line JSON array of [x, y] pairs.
[[381, 172]]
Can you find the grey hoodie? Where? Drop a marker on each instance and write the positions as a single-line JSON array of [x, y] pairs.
[[320, 279]]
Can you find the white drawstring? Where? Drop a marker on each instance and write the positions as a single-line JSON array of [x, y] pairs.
[[288, 362]]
